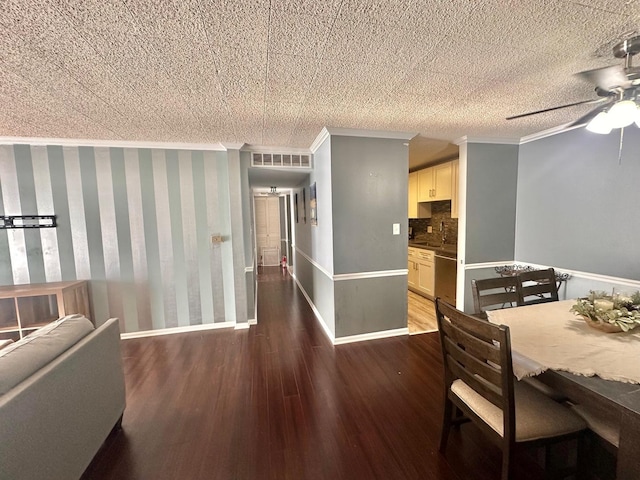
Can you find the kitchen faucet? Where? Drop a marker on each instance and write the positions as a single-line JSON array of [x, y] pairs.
[[443, 233]]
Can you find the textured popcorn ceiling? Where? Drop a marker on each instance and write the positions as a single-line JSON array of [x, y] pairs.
[[274, 72]]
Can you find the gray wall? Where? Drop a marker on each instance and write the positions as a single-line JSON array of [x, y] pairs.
[[316, 242], [319, 288], [492, 173], [361, 191], [136, 223], [370, 305], [369, 186], [577, 207], [320, 237], [247, 235]]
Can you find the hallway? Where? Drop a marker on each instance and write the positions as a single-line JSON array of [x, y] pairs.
[[278, 401]]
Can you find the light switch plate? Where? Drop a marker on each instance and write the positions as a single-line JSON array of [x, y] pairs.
[[396, 229]]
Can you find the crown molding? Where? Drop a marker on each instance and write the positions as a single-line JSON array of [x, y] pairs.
[[322, 136], [232, 146], [284, 150], [549, 132], [326, 132], [84, 142], [494, 140], [353, 132]]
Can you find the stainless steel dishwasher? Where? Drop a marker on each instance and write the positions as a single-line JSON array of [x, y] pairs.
[[446, 274]]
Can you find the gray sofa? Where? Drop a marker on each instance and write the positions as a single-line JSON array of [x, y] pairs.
[[54, 420]]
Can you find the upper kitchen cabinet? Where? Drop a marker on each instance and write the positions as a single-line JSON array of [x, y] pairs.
[[416, 210], [434, 183], [425, 185], [413, 195], [455, 188]]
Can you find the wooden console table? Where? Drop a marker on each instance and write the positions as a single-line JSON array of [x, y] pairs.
[[25, 308]]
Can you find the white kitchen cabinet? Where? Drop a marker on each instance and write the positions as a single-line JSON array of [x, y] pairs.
[[415, 209], [425, 185], [421, 271], [434, 183], [426, 272], [455, 187], [413, 195], [442, 182], [412, 265]]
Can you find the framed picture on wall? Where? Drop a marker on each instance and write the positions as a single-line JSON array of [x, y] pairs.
[[304, 205], [295, 206], [312, 205]]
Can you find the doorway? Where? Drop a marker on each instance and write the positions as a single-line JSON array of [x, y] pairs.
[[268, 238]]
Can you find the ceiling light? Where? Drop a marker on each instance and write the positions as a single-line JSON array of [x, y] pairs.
[[622, 114], [600, 124]]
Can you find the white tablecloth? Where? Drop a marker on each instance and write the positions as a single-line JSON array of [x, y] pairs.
[[550, 336]]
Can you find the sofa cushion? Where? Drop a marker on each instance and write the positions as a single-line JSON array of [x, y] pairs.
[[21, 359]]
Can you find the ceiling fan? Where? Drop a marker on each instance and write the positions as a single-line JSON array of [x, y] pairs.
[[618, 91]]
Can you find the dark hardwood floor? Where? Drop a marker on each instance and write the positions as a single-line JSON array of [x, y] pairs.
[[278, 401]]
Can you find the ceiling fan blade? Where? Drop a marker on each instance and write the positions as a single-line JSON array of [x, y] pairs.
[[591, 114], [607, 78], [555, 108]]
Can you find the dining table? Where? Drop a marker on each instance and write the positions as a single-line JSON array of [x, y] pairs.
[[590, 367]]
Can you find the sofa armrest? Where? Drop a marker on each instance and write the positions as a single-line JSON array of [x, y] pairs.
[[53, 423]]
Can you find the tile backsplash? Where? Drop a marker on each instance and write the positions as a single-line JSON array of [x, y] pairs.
[[440, 214]]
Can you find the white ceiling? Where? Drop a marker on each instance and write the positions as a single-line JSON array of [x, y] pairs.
[[274, 72]]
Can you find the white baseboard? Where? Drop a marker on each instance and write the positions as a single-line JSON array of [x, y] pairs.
[[371, 336], [423, 331], [170, 331], [252, 321], [241, 326]]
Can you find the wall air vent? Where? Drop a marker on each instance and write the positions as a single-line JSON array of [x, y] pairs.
[[288, 160]]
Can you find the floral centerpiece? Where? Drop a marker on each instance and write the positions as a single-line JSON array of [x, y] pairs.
[[609, 313]]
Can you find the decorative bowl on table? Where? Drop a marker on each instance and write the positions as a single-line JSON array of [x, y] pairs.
[[609, 313]]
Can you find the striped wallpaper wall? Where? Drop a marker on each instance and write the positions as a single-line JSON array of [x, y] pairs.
[[135, 222]]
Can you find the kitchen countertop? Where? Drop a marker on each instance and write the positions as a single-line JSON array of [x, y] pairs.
[[445, 250]]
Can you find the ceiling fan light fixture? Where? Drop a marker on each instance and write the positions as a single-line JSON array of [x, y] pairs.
[[601, 123], [622, 114]]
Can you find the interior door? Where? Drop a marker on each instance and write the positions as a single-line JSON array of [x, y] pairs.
[[267, 213]]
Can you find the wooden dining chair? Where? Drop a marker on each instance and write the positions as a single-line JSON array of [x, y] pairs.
[[479, 381], [536, 286], [493, 293]]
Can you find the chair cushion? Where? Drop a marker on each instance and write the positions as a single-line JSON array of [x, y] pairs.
[[608, 430], [24, 357], [537, 416]]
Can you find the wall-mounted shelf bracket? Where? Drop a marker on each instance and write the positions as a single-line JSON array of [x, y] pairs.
[[27, 221]]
